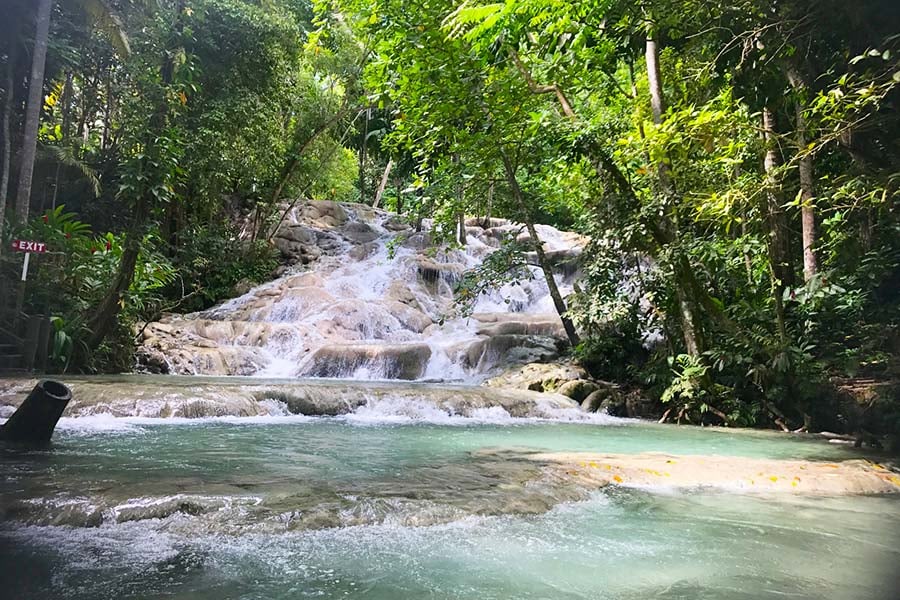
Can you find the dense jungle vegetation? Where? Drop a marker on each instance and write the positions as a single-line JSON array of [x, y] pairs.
[[735, 164]]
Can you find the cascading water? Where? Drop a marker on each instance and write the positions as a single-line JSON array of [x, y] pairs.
[[369, 298]]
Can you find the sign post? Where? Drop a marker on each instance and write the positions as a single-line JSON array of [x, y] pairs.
[[27, 247]]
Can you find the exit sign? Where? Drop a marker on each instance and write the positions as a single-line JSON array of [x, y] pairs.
[[28, 246]]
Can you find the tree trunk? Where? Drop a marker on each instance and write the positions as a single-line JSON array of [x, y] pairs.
[[782, 264], [779, 253], [362, 160], [657, 105], [105, 316], [684, 277], [805, 169], [654, 79], [662, 233], [7, 143], [490, 205], [288, 170], [808, 219], [558, 302], [460, 200], [383, 184], [33, 109], [107, 110]]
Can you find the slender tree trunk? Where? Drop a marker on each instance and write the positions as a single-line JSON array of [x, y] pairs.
[[806, 171], [33, 109], [362, 160], [383, 184], [657, 105], [460, 199], [780, 248], [7, 143], [684, 277], [288, 171], [654, 79], [490, 204], [691, 295], [558, 302], [107, 110], [779, 253], [808, 218]]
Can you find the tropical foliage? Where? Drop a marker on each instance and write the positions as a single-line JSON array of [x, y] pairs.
[[735, 166]]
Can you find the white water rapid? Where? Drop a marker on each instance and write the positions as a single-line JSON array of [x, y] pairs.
[[368, 297]]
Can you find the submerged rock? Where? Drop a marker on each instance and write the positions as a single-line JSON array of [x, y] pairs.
[[730, 473]]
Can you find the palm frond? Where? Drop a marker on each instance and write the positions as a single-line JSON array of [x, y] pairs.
[[110, 23], [66, 156]]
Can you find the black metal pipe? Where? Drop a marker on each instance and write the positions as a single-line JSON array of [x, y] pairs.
[[36, 418]]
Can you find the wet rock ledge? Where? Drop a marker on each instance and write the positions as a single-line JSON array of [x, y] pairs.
[[196, 396]]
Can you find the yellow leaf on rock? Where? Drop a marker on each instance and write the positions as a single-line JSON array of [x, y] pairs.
[[773, 478], [617, 479]]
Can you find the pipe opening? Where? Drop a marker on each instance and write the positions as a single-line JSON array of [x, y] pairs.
[[55, 390]]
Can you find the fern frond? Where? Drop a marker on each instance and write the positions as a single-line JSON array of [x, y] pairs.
[[470, 21]]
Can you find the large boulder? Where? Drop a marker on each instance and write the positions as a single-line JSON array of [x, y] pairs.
[[491, 324], [411, 318], [323, 214], [538, 377], [383, 361], [359, 233], [486, 353], [400, 291]]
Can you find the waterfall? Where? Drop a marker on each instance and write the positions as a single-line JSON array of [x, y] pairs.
[[368, 297]]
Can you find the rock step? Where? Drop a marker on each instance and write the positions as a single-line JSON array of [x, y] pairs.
[[385, 361]]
